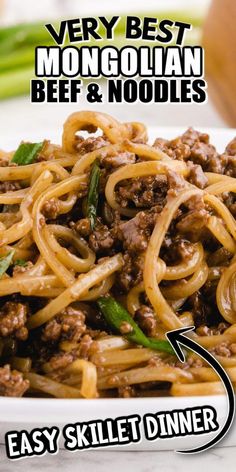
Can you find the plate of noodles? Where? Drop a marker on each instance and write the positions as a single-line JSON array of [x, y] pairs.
[[110, 239]]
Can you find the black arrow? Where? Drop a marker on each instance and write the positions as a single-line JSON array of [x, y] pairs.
[[176, 338]]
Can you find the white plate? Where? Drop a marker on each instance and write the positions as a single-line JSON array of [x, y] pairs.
[[27, 413]]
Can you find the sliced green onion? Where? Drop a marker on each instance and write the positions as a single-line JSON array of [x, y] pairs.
[[116, 316], [5, 262], [93, 194], [26, 153], [20, 262]]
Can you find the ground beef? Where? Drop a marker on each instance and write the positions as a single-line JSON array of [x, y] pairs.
[[21, 269], [82, 227], [101, 239], [191, 136], [143, 192], [176, 183], [47, 152], [61, 360], [51, 208], [231, 158], [220, 257], [230, 165], [67, 325], [212, 331], [196, 176], [115, 160], [223, 349], [192, 223], [203, 306], [125, 328], [4, 162], [83, 146], [204, 155], [87, 347], [9, 186], [180, 147], [12, 383], [127, 391], [233, 348], [194, 146], [131, 273], [175, 148], [175, 250], [146, 319], [191, 362], [230, 201], [44, 157], [136, 232], [13, 317], [231, 147]]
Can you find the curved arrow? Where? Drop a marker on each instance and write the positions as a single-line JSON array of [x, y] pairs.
[[176, 338]]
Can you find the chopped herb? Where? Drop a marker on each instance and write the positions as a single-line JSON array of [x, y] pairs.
[[93, 194], [117, 316], [20, 262], [26, 153], [5, 262]]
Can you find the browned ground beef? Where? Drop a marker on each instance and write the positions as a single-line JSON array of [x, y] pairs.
[[12, 383], [195, 146], [51, 208], [212, 330], [83, 146], [13, 317], [114, 160], [146, 319], [68, 325], [142, 192], [197, 176], [203, 306], [9, 186], [231, 164], [192, 223], [20, 269], [176, 183], [220, 257], [175, 250], [131, 273], [61, 360], [101, 239], [136, 232], [4, 162], [87, 346], [82, 226], [231, 147], [126, 392], [230, 201]]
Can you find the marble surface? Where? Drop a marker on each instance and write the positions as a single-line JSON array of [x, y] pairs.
[[107, 461]]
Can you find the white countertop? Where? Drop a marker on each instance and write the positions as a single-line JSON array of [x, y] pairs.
[[107, 461]]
